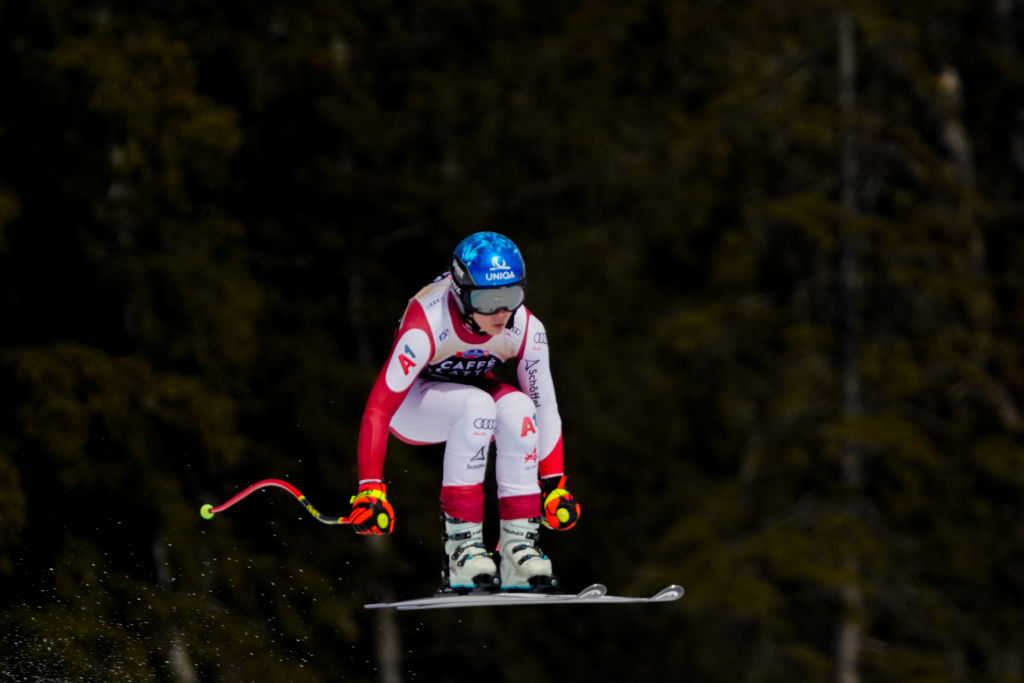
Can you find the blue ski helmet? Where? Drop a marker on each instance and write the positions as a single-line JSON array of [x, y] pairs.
[[488, 274]]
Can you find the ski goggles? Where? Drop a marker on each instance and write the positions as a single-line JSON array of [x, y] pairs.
[[488, 300]]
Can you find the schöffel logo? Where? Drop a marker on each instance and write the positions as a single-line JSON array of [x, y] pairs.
[[478, 461], [532, 389]]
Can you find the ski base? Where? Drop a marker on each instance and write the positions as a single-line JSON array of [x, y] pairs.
[[595, 594]]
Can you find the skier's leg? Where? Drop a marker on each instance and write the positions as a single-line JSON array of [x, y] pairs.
[[524, 566], [462, 417]]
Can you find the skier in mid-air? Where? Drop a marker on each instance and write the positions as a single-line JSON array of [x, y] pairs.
[[438, 386]]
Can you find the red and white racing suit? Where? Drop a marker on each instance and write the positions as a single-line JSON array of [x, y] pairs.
[[437, 386]]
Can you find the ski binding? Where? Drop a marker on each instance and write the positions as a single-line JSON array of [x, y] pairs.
[[595, 594]]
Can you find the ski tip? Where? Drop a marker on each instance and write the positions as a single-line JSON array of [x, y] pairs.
[[594, 590], [669, 593]]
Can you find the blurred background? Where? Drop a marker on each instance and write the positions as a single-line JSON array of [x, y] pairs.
[[776, 247]]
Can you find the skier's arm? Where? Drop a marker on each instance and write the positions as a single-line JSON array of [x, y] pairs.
[[534, 374], [561, 511], [412, 350]]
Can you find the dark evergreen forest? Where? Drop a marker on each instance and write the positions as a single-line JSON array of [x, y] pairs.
[[776, 246]]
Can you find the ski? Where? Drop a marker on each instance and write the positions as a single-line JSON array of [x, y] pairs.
[[595, 594]]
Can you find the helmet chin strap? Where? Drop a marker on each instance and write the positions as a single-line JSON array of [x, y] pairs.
[[471, 324], [466, 313]]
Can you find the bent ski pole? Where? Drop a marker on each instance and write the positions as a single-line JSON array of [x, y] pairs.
[[208, 511]]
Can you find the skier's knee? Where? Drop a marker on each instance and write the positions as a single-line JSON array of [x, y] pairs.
[[479, 405]]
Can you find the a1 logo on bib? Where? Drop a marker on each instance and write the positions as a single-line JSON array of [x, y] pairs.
[[409, 355]]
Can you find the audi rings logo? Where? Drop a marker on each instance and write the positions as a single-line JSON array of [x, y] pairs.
[[485, 423], [540, 338]]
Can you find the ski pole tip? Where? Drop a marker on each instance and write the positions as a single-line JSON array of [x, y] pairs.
[[206, 511]]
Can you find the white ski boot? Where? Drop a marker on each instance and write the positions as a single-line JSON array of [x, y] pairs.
[[524, 566], [467, 566]]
